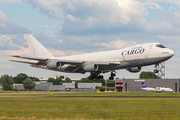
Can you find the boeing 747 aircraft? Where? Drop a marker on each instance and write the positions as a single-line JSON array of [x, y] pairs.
[[155, 89], [130, 58]]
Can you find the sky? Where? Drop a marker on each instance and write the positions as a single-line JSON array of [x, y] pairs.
[[69, 27]]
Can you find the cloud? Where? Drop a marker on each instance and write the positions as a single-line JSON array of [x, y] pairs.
[[108, 17], [153, 5], [95, 17], [6, 66], [164, 1], [8, 27], [7, 43], [57, 52], [118, 44], [60, 41], [72, 18], [9, 1], [22, 51]]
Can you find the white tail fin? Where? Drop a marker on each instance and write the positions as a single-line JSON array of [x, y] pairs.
[[36, 48]]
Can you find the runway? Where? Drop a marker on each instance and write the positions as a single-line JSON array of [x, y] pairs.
[[98, 96], [115, 96]]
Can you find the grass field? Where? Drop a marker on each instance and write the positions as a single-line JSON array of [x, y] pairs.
[[75, 108], [88, 94]]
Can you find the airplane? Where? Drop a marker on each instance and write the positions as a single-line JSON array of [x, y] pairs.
[[130, 58], [155, 89]]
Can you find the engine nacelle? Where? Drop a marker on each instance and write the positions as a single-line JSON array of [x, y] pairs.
[[134, 69], [54, 65], [91, 68]]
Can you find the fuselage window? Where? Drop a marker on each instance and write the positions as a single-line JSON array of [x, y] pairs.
[[160, 45]]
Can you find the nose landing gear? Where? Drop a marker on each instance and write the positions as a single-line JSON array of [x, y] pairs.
[[156, 68], [160, 70]]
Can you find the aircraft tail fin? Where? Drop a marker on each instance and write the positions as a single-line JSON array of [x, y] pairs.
[[36, 48], [144, 85]]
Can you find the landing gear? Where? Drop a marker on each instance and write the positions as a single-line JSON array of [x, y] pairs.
[[95, 76], [156, 68], [160, 70], [112, 75], [156, 71]]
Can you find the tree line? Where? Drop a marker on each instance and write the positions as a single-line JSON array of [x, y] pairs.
[[7, 81]]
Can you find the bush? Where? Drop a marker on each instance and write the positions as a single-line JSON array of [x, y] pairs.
[[102, 88], [14, 89]]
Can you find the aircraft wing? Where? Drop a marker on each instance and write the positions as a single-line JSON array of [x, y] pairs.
[[73, 62], [45, 61], [67, 65]]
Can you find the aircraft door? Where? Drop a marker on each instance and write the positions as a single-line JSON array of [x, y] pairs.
[[124, 57]]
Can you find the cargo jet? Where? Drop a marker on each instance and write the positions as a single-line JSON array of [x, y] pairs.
[[130, 58], [155, 89]]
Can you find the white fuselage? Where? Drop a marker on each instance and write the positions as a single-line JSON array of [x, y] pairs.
[[134, 56], [150, 51], [158, 89]]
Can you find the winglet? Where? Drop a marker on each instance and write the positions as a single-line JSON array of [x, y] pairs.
[[144, 85]]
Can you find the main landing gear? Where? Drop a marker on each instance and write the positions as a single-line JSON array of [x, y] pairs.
[[94, 75], [112, 75]]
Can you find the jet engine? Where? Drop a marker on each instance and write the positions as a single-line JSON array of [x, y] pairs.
[[54, 65], [134, 69], [91, 68]]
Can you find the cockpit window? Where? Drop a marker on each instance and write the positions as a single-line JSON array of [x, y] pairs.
[[160, 45]]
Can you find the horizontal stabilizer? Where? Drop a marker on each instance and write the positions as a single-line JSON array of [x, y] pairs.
[[30, 58], [22, 62]]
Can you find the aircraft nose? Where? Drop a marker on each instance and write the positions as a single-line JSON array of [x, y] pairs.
[[171, 53]]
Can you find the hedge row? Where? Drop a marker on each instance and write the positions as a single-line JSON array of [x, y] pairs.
[[102, 88]]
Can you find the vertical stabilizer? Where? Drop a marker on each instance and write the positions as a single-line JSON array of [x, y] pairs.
[[36, 48], [143, 85]]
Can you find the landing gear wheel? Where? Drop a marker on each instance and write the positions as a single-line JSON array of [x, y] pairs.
[[100, 77], [156, 71], [156, 68], [112, 75], [95, 76], [111, 78]]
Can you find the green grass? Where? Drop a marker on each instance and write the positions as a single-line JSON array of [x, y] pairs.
[[89, 108], [86, 94]]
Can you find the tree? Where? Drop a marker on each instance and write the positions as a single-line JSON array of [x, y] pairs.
[[6, 82], [28, 84], [34, 78], [58, 81], [67, 80], [20, 78], [51, 80], [148, 75]]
